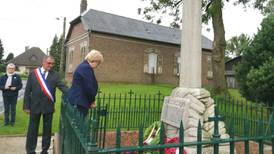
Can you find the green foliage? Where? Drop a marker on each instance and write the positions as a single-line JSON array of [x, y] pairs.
[[2, 67], [269, 8], [256, 59], [2, 62], [236, 45], [260, 81], [153, 132], [55, 51], [9, 57], [1, 51]]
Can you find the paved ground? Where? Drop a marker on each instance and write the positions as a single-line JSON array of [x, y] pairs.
[[16, 145]]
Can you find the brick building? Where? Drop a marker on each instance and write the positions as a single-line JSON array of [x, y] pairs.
[[134, 51]]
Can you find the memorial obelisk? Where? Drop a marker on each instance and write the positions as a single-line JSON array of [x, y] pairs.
[[189, 102]]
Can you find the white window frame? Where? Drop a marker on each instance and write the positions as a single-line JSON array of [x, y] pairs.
[[70, 58], [83, 50]]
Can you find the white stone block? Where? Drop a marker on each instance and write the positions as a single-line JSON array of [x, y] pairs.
[[196, 105], [200, 93], [209, 102], [191, 132], [208, 126]]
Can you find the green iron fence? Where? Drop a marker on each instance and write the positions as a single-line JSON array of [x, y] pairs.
[[77, 134], [130, 110], [80, 135], [242, 111]]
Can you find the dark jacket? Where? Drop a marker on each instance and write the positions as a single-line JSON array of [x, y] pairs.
[[84, 86], [15, 82], [34, 98]]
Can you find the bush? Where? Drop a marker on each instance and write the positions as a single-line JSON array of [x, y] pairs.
[[251, 73], [260, 82]]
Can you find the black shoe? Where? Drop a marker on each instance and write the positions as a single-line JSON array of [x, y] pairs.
[[6, 124], [12, 124]]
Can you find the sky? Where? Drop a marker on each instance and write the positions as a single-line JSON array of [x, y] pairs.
[[34, 23]]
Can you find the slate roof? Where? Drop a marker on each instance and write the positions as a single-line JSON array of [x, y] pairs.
[[31, 57], [98, 21]]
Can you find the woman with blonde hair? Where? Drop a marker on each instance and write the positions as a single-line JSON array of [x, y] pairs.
[[84, 84]]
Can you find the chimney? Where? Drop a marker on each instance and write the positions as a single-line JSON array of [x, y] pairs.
[[83, 6], [26, 48]]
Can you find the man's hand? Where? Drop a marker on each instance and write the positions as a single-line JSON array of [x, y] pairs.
[[93, 105], [27, 111], [13, 88]]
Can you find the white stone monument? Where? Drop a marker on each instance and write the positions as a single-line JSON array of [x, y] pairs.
[[189, 102]]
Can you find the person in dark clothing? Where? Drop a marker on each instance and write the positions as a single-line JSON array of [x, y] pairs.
[[84, 84], [10, 84], [39, 100]]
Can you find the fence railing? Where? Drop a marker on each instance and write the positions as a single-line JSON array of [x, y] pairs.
[[77, 135], [242, 111], [215, 142], [132, 111]]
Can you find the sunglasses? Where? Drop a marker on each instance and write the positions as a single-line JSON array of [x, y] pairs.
[[50, 63]]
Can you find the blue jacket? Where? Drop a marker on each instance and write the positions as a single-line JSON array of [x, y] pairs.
[[15, 82], [84, 86]]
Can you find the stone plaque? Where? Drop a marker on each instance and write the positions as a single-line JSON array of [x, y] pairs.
[[174, 111]]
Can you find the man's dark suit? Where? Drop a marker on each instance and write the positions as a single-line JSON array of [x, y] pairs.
[[38, 104]]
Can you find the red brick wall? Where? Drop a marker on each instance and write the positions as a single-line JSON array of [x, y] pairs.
[[124, 58]]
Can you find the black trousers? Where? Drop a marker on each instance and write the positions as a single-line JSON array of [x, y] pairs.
[[10, 109], [33, 132]]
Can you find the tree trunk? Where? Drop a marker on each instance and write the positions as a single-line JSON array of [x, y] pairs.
[[218, 53]]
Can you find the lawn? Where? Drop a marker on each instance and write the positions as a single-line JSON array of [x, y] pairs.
[[22, 118], [21, 124]]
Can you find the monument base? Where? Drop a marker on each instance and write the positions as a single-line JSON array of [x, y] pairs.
[[191, 106]]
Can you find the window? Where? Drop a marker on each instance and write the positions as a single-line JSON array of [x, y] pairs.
[[83, 50], [70, 58], [177, 64], [209, 67], [33, 58], [153, 61]]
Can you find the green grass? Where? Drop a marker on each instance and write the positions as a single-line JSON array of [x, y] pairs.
[[21, 122], [136, 88], [234, 93], [22, 118]]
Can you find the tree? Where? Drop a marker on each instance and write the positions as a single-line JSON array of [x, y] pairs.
[[212, 9], [255, 71], [236, 45], [9, 57], [1, 51], [55, 51], [2, 63]]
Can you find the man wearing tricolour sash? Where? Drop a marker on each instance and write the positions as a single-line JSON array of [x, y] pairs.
[[39, 101]]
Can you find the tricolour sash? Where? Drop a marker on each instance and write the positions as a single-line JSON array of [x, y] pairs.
[[42, 81]]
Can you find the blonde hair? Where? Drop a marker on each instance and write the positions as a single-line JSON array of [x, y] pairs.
[[94, 55]]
